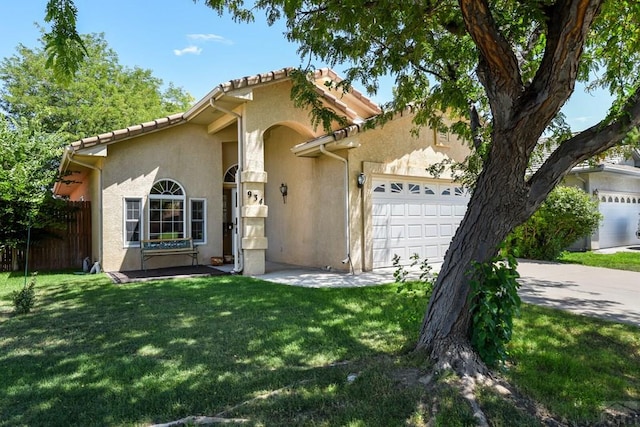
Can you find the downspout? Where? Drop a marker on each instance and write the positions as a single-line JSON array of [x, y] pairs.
[[347, 221], [69, 156], [238, 261]]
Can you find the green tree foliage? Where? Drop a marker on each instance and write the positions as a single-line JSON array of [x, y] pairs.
[[64, 46], [567, 215], [102, 96], [28, 170]]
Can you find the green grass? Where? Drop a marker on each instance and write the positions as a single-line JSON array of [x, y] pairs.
[[95, 353], [619, 260], [574, 365]]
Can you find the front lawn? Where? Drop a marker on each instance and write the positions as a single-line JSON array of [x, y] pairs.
[[619, 260], [257, 353]]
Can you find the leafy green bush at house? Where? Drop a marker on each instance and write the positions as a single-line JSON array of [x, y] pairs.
[[567, 215]]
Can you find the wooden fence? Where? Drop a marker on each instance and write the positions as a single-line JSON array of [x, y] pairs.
[[67, 250]]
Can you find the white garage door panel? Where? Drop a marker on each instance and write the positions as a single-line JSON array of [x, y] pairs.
[[432, 251], [398, 210], [397, 233], [430, 210], [431, 230], [446, 210], [415, 231], [414, 217], [446, 230], [620, 220], [414, 210]]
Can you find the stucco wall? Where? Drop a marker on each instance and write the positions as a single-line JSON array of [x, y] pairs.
[[290, 226], [604, 181], [185, 154]]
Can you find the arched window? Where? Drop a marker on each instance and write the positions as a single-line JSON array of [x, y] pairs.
[[167, 219], [230, 175]]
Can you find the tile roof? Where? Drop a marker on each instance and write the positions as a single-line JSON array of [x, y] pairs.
[[222, 89], [129, 132]]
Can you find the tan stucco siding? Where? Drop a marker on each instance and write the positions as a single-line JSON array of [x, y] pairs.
[[290, 226], [185, 154], [400, 153], [229, 155], [329, 208]]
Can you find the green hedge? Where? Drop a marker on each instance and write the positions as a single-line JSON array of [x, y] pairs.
[[567, 215]]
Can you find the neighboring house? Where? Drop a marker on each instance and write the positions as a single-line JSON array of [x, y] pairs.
[[616, 183], [217, 173]]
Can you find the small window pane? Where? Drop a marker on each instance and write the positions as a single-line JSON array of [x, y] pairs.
[[397, 187], [380, 188], [198, 216], [132, 224], [414, 188]]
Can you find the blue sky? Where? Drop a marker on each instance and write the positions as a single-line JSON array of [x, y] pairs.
[[188, 44]]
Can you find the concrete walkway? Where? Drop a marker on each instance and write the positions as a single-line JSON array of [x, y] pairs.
[[599, 292]]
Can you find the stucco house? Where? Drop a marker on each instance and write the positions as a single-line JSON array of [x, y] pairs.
[[244, 173], [615, 182]]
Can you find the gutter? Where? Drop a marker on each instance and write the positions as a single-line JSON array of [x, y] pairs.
[[347, 222], [238, 261], [607, 168], [68, 154], [311, 147]]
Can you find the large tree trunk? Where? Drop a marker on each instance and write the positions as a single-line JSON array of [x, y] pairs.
[[498, 204], [503, 197]]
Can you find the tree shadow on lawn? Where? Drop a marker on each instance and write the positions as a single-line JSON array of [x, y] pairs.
[[93, 353]]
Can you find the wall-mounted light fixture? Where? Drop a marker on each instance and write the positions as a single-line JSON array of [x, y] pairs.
[[595, 192], [284, 190], [362, 178]]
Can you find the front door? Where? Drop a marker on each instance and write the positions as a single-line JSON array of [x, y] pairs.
[[229, 218]]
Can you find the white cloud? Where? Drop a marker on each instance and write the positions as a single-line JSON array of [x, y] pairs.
[[209, 38], [193, 50]]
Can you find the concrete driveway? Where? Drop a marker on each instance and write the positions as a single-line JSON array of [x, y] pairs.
[[599, 292]]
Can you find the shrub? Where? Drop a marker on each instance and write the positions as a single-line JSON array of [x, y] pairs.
[[25, 298], [567, 215], [494, 303], [417, 289]]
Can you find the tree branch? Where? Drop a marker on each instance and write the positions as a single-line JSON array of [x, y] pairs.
[[581, 147], [568, 26], [498, 67]]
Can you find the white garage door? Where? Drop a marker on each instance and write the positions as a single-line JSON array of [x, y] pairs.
[[621, 213], [414, 216]]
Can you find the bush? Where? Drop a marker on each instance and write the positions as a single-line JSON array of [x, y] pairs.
[[25, 298], [494, 303], [567, 215], [417, 289]]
